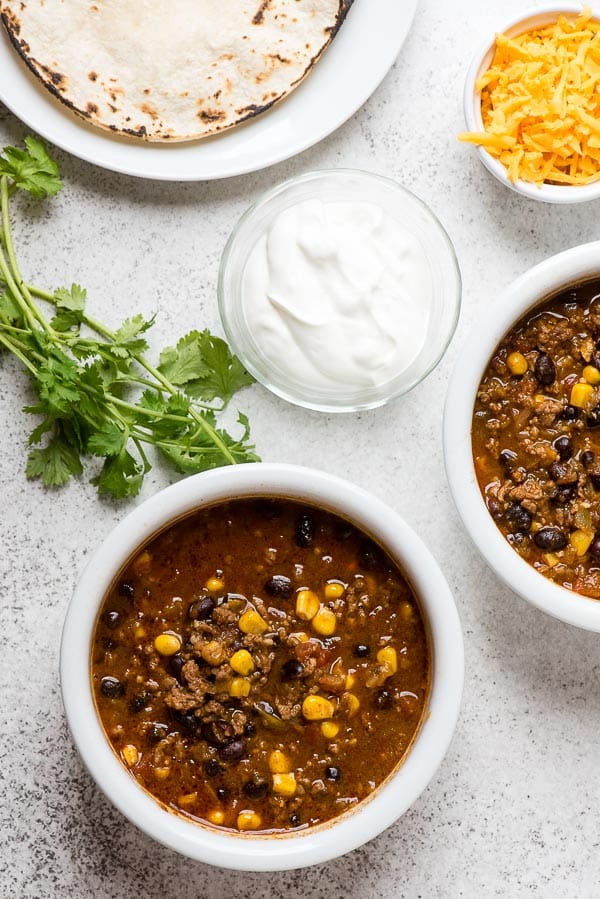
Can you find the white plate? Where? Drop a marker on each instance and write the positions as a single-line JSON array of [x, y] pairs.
[[351, 69]]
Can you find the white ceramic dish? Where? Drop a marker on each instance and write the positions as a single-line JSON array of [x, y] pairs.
[[548, 278], [341, 185], [328, 97], [243, 851], [534, 18]]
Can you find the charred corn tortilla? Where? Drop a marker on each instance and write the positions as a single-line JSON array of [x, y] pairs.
[[171, 71]]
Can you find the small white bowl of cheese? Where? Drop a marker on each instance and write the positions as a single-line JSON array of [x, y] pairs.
[[531, 104]]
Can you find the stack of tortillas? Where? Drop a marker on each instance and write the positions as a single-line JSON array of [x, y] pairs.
[[171, 71]]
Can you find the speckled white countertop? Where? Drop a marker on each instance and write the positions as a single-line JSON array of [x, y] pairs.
[[513, 810]]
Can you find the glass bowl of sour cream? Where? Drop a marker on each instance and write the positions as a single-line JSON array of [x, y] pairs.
[[339, 290]]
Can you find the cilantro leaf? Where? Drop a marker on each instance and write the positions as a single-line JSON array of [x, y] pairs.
[[70, 305], [32, 169], [206, 367], [184, 363], [127, 339], [10, 309], [108, 440], [121, 476], [55, 463]]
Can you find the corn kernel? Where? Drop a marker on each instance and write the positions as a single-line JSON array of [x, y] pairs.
[[279, 763], [252, 623], [350, 681], [581, 541], [213, 653], [387, 656], [167, 644], [139, 631], [247, 820], [142, 564], [214, 584], [324, 622], [317, 708], [162, 773], [307, 604], [187, 799], [407, 611], [581, 395], [351, 704], [238, 687], [551, 560], [591, 374], [330, 729], [300, 637], [216, 816], [284, 784], [130, 755], [241, 662], [517, 363], [333, 590]]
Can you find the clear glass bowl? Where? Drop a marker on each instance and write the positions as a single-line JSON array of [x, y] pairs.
[[341, 185]]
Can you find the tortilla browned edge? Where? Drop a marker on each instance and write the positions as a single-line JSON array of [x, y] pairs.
[[55, 80]]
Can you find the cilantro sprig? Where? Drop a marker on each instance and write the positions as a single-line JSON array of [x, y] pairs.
[[97, 393]]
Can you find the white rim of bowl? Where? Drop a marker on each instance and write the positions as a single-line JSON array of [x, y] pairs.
[[542, 281], [314, 175], [548, 193], [373, 815]]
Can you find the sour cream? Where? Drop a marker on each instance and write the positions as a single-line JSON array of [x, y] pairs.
[[338, 295]]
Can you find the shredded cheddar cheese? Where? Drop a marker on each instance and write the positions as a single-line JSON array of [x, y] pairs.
[[540, 103]]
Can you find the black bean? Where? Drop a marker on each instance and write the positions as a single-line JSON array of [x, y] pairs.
[[507, 458], [187, 720], [551, 539], [250, 730], [370, 556], [217, 733], [564, 447], [201, 608], [157, 732], [126, 590], [233, 750], [222, 794], [305, 531], [111, 687], [361, 651], [563, 494], [545, 370], [344, 530], [569, 413], [557, 470], [176, 664], [595, 481], [333, 773], [212, 768], [587, 458], [594, 547], [292, 669], [256, 789], [138, 702], [111, 619], [382, 699], [519, 518], [295, 820], [593, 418], [279, 586]]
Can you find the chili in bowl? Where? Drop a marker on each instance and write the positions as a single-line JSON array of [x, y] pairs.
[[262, 667], [520, 436]]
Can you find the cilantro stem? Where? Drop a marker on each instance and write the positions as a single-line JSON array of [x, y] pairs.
[[17, 352], [19, 289]]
